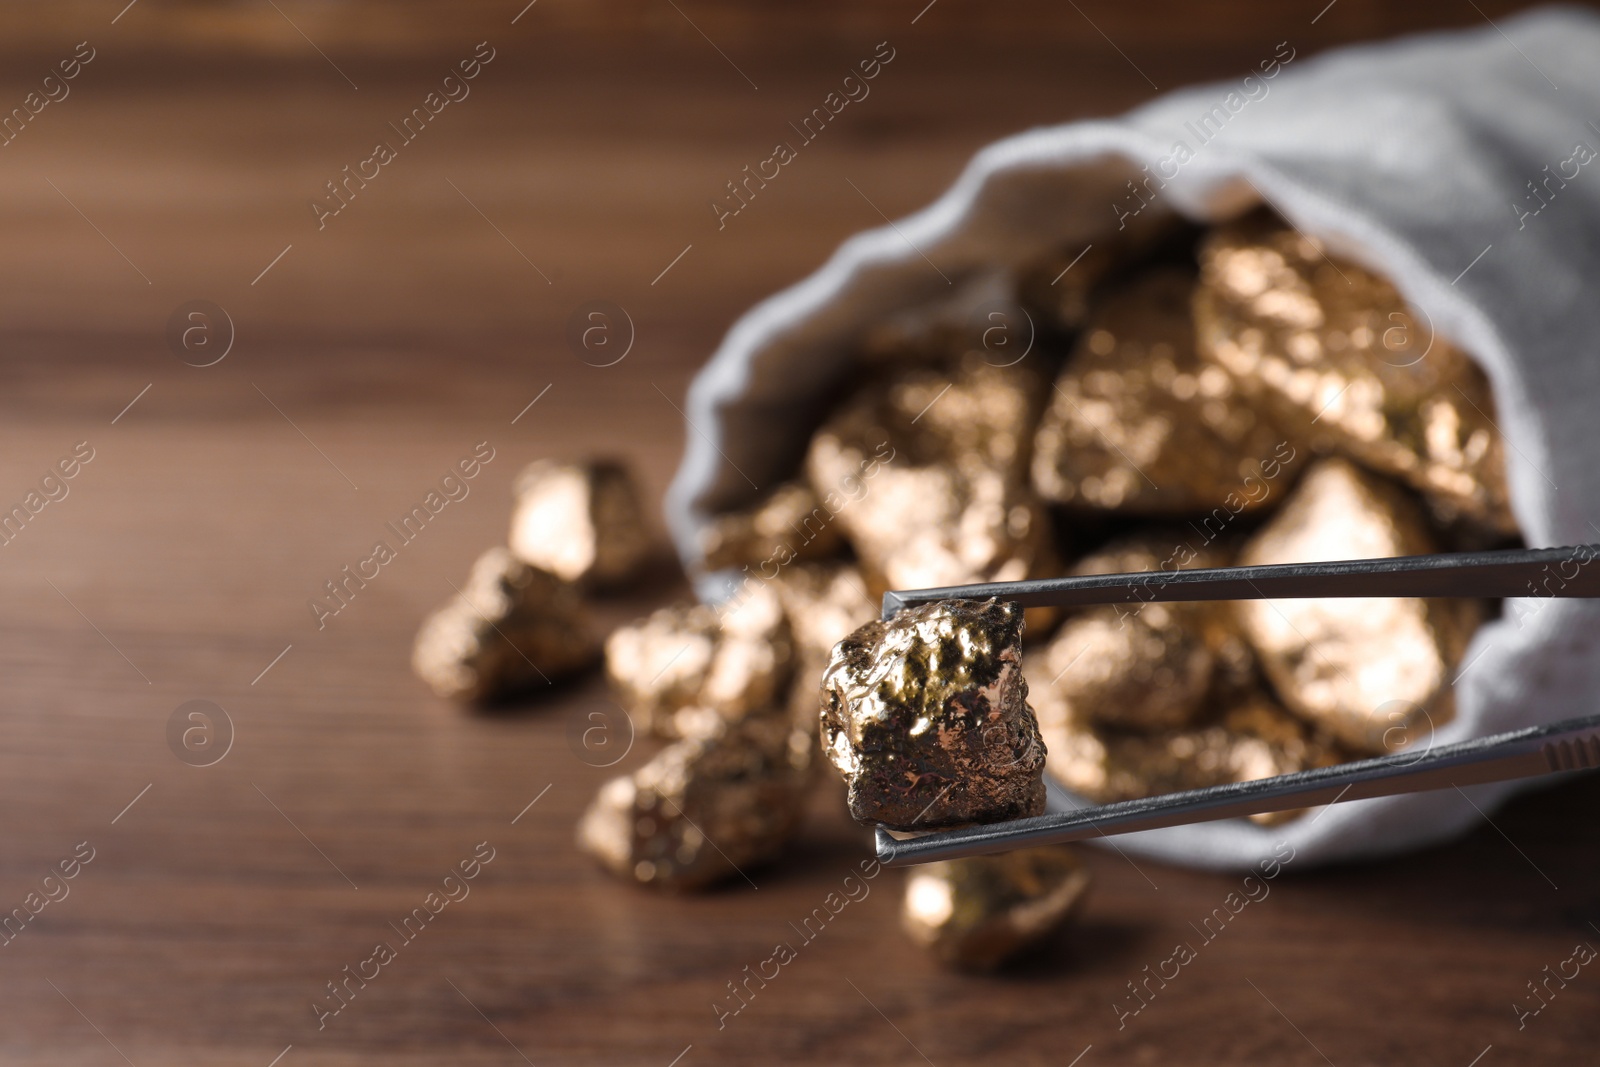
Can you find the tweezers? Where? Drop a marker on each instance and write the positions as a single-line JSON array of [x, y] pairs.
[[1572, 745]]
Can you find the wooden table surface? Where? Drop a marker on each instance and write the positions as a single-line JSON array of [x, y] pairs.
[[368, 357]]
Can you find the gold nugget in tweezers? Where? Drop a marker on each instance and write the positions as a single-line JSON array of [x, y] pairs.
[[1572, 745]]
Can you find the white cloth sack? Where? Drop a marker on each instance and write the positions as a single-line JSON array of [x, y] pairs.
[[1412, 158]]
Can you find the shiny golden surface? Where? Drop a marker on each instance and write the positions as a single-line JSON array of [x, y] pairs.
[[734, 659], [1142, 666], [1374, 672], [1334, 354], [705, 808], [926, 717], [977, 913], [930, 472], [824, 603], [1257, 738], [1145, 671], [659, 663], [789, 524], [513, 627], [1138, 423], [1139, 699], [580, 521]]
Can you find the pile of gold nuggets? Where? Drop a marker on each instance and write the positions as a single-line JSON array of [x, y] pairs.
[[1227, 396]]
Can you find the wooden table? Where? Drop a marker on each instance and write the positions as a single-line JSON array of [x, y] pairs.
[[369, 356]]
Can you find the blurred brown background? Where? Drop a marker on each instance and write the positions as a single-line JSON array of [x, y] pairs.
[[371, 356]]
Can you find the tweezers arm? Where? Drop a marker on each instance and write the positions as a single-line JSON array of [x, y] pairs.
[[1538, 572], [1565, 746]]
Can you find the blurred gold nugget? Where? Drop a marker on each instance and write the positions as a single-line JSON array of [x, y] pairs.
[[1138, 423], [705, 808], [657, 664], [1140, 699], [1148, 671], [1144, 666], [1331, 351], [933, 464], [512, 627], [734, 659], [926, 717], [1373, 672], [580, 521], [977, 913], [1256, 739], [824, 603], [789, 524]]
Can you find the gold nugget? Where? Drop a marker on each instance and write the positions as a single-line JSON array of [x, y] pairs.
[[734, 659], [1334, 354], [789, 524], [1139, 665], [705, 808], [513, 627], [1107, 665], [824, 603], [1138, 423], [977, 913], [931, 472], [1374, 672], [926, 717], [580, 521], [1256, 739]]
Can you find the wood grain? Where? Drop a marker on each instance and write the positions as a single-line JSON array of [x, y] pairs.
[[374, 354]]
